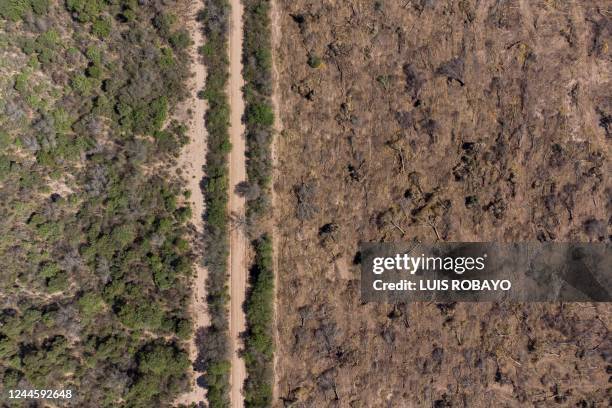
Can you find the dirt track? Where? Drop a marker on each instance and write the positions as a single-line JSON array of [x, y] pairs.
[[237, 173], [278, 126], [192, 161]]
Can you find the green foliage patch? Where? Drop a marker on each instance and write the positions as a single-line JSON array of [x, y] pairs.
[[257, 71], [214, 349], [93, 241], [259, 339], [15, 10]]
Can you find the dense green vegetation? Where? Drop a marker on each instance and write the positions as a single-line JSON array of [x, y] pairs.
[[259, 339], [257, 72], [93, 244], [15, 10], [213, 357]]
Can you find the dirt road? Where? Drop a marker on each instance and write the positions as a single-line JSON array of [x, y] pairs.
[[278, 126], [237, 173], [192, 161]]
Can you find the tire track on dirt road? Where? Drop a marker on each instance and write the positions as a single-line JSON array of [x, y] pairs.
[[237, 174]]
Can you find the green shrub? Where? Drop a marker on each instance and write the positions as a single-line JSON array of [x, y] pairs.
[[94, 71], [58, 283], [260, 114], [5, 166], [21, 82], [180, 40], [5, 139], [101, 27], [164, 22], [124, 235], [162, 360], [160, 366], [11, 378], [90, 304], [40, 6], [159, 111], [166, 59], [48, 39], [314, 61], [85, 10], [94, 55], [184, 329], [14, 10], [49, 270], [82, 84]]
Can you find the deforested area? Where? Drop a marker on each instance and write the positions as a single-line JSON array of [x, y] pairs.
[[95, 251], [438, 121]]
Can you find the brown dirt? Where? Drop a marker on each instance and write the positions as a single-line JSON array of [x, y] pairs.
[[454, 121], [278, 126], [192, 162], [238, 242]]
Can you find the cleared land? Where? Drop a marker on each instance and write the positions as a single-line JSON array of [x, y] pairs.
[[455, 121]]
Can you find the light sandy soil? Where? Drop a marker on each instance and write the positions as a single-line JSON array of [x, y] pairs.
[[237, 173], [192, 161], [278, 127]]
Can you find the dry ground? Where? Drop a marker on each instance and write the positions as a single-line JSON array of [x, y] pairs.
[[238, 241], [455, 121], [192, 162]]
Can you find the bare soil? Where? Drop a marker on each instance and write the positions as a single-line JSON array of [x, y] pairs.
[[278, 126], [238, 241], [192, 162], [453, 121]]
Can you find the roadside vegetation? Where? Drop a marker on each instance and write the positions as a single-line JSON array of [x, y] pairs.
[[259, 114], [259, 340], [213, 342], [94, 248], [259, 117]]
